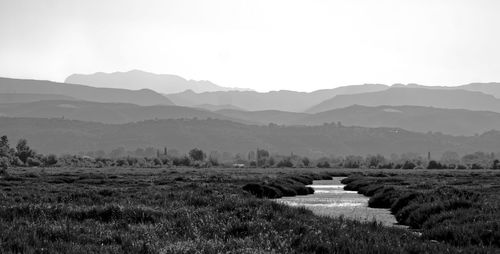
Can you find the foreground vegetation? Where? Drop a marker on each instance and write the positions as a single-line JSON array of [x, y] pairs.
[[184, 210], [460, 208]]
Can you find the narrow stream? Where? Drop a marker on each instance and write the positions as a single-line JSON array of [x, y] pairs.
[[331, 199]]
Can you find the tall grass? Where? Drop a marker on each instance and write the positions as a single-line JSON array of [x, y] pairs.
[[459, 209], [182, 211]]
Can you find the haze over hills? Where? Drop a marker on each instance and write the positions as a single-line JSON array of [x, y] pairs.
[[487, 88], [399, 96], [29, 97], [212, 107], [401, 106], [66, 136], [275, 100], [140, 97], [412, 118], [136, 79], [265, 117], [492, 88], [110, 113]]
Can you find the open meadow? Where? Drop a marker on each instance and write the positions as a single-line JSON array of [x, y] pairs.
[[188, 210]]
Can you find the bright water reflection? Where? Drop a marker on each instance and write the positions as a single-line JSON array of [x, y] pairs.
[[331, 199]]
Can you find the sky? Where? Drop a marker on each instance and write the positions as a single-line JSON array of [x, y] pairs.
[[259, 44]]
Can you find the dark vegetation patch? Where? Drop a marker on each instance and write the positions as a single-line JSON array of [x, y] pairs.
[[285, 186], [457, 208]]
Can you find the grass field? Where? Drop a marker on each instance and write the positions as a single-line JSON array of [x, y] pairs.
[[460, 208], [185, 210]]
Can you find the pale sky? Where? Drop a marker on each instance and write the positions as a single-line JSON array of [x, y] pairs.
[[259, 44]]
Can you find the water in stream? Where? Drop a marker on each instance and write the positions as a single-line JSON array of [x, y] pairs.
[[331, 199]]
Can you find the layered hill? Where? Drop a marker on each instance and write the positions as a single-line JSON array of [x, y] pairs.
[[136, 79], [29, 97], [420, 119], [399, 96], [413, 118], [110, 113], [81, 92], [487, 88], [65, 136], [275, 100], [265, 117]]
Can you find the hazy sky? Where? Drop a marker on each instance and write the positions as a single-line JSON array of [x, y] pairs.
[[263, 45]]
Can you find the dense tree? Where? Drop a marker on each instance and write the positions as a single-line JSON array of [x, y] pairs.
[[197, 154], [496, 164], [478, 160], [323, 164], [306, 161], [262, 157], [23, 151], [214, 158], [4, 164], [352, 161], [285, 163], [408, 165], [4, 147], [435, 165], [375, 161]]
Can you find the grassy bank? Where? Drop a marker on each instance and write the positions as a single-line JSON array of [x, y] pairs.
[[460, 208], [116, 210]]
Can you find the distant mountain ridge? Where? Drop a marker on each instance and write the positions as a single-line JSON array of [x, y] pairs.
[[492, 88], [413, 118], [109, 113], [142, 97], [283, 100], [136, 79], [66, 136], [399, 96]]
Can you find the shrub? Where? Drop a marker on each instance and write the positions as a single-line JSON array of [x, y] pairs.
[[435, 165], [50, 160], [384, 197], [285, 163], [197, 154], [404, 200], [183, 161], [33, 162], [323, 164], [4, 164], [418, 216], [408, 165]]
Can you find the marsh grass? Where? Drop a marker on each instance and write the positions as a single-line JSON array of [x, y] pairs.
[[184, 211], [459, 208]]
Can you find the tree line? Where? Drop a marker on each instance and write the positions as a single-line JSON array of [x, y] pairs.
[[23, 156]]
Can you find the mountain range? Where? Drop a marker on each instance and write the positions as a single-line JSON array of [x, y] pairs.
[[285, 121], [398, 96], [136, 79], [143, 97], [275, 100], [411, 107], [413, 118], [109, 113]]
